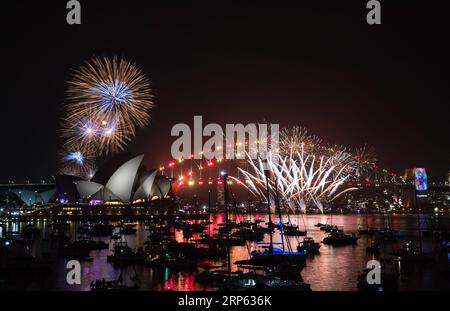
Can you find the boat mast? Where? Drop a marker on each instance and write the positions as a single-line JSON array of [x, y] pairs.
[[226, 222], [268, 210], [277, 202]]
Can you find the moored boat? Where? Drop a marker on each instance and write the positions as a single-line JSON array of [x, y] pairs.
[[308, 246], [340, 239]]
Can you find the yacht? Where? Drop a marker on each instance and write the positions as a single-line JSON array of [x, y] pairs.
[[273, 257], [123, 254], [292, 230], [308, 246], [412, 253], [337, 238]]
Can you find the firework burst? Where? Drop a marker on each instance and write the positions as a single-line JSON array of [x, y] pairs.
[[365, 160], [107, 100], [74, 161], [300, 178], [294, 138], [304, 172]]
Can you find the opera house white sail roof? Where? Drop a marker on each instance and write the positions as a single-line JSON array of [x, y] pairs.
[[123, 182]]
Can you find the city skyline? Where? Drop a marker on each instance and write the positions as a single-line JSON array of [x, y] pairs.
[[225, 151]]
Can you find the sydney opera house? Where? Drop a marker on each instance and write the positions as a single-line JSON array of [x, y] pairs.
[[115, 182]]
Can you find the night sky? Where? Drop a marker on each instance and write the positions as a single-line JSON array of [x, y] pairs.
[[316, 63]]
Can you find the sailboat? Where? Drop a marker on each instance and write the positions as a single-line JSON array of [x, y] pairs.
[[337, 238], [308, 246], [272, 256], [293, 230], [387, 234], [367, 230], [412, 253]]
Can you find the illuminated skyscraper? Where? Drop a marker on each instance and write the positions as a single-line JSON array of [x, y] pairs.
[[416, 195]]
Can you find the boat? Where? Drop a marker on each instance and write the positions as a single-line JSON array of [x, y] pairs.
[[117, 285], [261, 229], [337, 238], [214, 278], [192, 251], [271, 225], [253, 281], [388, 234], [412, 253], [308, 246], [329, 228], [247, 224], [169, 260], [292, 230], [122, 254], [367, 230], [193, 228], [248, 234], [156, 228], [273, 257], [230, 225], [285, 271]]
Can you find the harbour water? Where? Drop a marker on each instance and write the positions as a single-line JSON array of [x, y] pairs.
[[334, 269]]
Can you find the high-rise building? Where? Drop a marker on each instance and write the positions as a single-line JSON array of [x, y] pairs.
[[416, 195]]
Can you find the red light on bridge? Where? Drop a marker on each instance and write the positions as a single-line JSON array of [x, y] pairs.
[[200, 182]]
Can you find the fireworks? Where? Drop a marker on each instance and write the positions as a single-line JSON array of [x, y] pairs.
[[107, 100], [305, 171], [364, 160], [75, 162], [299, 178], [294, 138]]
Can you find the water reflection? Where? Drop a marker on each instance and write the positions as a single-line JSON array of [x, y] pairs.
[[335, 268]]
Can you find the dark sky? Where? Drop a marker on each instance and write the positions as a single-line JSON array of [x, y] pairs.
[[313, 63]]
